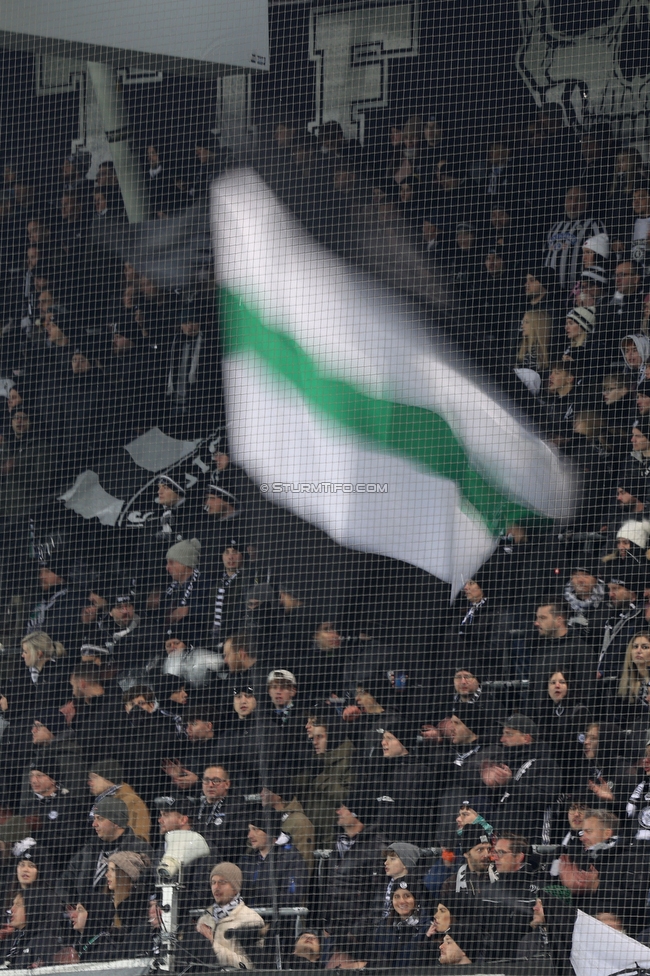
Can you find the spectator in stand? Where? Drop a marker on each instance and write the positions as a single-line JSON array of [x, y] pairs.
[[611, 878], [107, 779], [567, 235], [351, 876], [625, 310], [330, 779], [221, 817], [226, 922]]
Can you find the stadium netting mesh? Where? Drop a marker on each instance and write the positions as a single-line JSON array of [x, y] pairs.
[[324, 445]]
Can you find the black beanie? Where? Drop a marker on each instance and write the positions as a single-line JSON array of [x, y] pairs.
[[472, 835]]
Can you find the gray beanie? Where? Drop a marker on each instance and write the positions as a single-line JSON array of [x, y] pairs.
[[185, 552], [113, 809], [408, 854]]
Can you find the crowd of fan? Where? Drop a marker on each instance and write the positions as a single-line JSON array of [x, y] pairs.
[[171, 679]]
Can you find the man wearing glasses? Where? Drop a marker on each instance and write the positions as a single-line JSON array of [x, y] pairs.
[[221, 817]]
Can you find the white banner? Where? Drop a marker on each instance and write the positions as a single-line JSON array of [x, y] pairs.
[[599, 950]]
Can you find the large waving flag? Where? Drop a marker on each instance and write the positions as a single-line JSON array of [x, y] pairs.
[[343, 411]]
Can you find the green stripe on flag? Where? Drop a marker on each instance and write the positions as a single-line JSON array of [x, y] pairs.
[[416, 433]]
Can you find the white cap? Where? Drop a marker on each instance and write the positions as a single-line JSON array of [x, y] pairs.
[[599, 243]]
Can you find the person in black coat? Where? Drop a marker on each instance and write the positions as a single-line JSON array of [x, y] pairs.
[[52, 813], [85, 874], [602, 777], [29, 938], [400, 939], [397, 784], [353, 875], [285, 878], [561, 717], [522, 781]]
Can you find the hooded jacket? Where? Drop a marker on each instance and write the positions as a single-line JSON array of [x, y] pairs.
[[642, 344]]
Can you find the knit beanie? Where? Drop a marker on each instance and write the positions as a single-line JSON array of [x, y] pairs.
[[185, 552], [408, 854], [230, 873], [637, 532], [471, 836], [585, 317], [109, 769], [131, 863], [113, 809], [47, 765], [598, 243]]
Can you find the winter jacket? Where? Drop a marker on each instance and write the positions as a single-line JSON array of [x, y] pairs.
[[288, 873], [351, 878], [228, 950], [75, 883], [327, 790]]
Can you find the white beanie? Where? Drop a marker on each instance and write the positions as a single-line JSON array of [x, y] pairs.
[[636, 532], [599, 243]]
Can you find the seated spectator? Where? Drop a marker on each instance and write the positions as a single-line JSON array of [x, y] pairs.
[[475, 877], [400, 861], [559, 405], [399, 939], [29, 935], [107, 779], [610, 877], [567, 235], [603, 763], [184, 606], [521, 778], [229, 912], [618, 408], [105, 929], [221, 817], [274, 868], [83, 877], [52, 814], [330, 780], [635, 350]]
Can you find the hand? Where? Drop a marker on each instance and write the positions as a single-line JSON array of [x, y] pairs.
[[494, 774], [205, 931], [429, 734], [78, 916], [351, 713], [573, 878], [8, 466], [153, 600], [601, 789], [538, 915], [68, 711], [182, 778], [178, 614], [432, 930], [4, 704]]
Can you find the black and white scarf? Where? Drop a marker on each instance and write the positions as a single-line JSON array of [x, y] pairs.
[[174, 587], [471, 611], [226, 582], [219, 912]]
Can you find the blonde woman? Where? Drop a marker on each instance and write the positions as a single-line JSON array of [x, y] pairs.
[[634, 682], [536, 334]]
